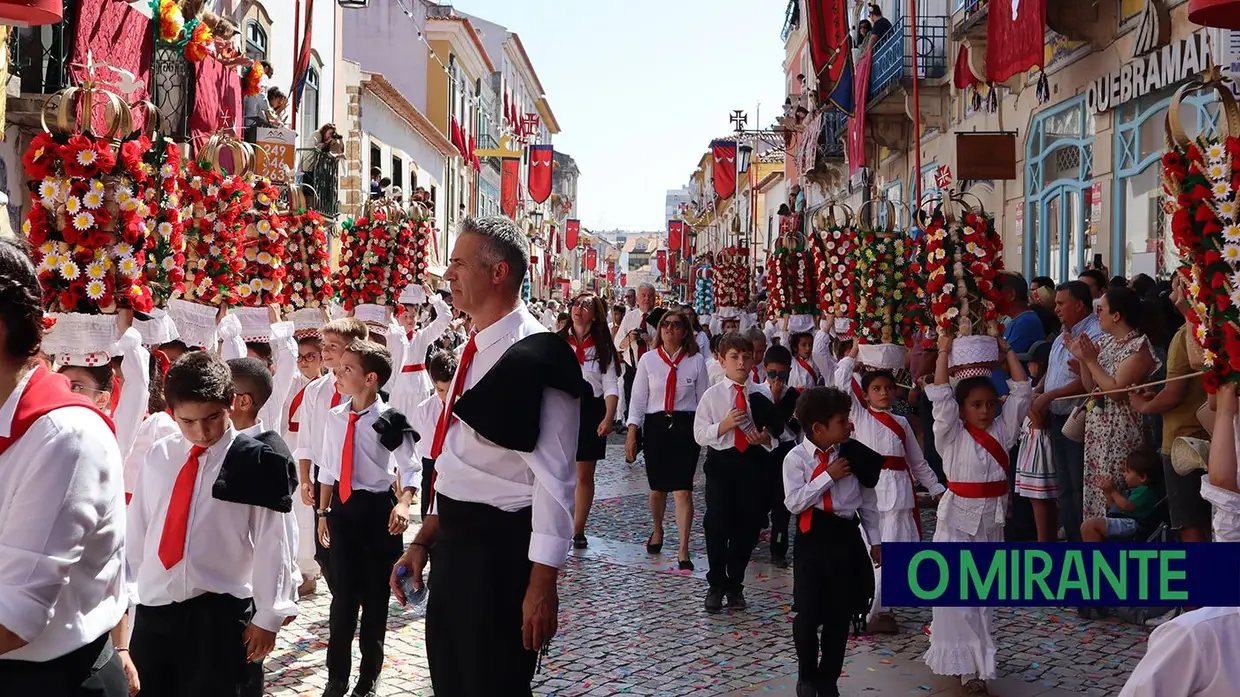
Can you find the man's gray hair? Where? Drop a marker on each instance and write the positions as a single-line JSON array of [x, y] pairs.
[[504, 242], [645, 286], [755, 334]]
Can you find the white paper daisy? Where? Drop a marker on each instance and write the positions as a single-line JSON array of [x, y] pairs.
[[96, 289], [82, 221]]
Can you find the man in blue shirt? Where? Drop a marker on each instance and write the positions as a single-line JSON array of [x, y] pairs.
[[1023, 327], [1074, 304]]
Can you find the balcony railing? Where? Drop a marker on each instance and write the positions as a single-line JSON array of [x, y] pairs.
[[893, 54], [792, 18], [968, 14], [320, 180], [834, 132], [39, 56]]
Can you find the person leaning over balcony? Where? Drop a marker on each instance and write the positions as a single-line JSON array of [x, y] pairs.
[[881, 24], [325, 153]]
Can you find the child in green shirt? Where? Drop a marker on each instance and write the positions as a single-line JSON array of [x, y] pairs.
[[1129, 506]]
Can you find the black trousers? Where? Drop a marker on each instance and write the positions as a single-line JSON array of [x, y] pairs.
[[91, 671], [428, 478], [362, 555], [733, 516], [192, 649], [832, 581], [773, 471], [474, 618]]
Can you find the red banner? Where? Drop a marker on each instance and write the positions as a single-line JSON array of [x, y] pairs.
[[856, 127], [1015, 37], [572, 230], [611, 273], [724, 170], [592, 260], [661, 260], [540, 172], [828, 41], [675, 233], [624, 280], [509, 181]]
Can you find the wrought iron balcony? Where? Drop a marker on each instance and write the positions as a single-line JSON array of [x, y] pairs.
[[969, 17], [893, 54], [40, 56], [792, 19], [320, 180], [834, 133]]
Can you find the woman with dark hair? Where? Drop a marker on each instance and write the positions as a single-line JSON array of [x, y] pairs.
[[1125, 358], [669, 383], [587, 333], [63, 584]]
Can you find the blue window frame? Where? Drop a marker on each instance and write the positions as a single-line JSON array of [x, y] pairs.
[[1140, 235], [1058, 176]]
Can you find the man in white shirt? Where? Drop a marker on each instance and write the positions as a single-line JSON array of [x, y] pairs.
[[636, 334], [501, 522], [61, 516]]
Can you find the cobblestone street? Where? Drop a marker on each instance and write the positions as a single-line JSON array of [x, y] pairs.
[[633, 624]]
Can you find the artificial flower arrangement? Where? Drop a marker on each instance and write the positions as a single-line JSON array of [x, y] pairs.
[[887, 310], [192, 37], [165, 258], [252, 79], [88, 224], [375, 259], [791, 278], [216, 200], [265, 247], [732, 277], [423, 235], [704, 290], [834, 263], [309, 281]]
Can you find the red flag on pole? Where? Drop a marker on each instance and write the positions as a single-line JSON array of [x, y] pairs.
[[1015, 37], [611, 273], [856, 127], [592, 259], [661, 259], [302, 68], [675, 231], [724, 172], [510, 178], [540, 172], [572, 230]]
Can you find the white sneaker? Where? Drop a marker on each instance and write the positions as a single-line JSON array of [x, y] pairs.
[[1163, 618]]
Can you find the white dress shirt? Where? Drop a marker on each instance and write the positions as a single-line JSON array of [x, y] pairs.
[[824, 362], [374, 467], [716, 404], [135, 390], [154, 427], [283, 367], [315, 403], [424, 418], [411, 383], [604, 383], [1193, 655], [703, 342], [471, 468], [801, 378], [803, 491], [633, 322], [715, 373], [230, 548], [650, 385], [290, 420], [965, 460], [62, 522]]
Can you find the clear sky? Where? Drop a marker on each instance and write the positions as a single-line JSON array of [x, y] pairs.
[[641, 86]]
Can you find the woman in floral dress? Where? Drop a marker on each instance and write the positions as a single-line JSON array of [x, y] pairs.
[[1125, 358]]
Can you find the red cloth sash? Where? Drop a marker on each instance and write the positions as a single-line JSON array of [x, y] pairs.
[[983, 490], [669, 390], [581, 348], [294, 426], [414, 368], [45, 392], [805, 365]]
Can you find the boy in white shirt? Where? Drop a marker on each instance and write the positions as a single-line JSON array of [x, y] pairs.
[[736, 451]]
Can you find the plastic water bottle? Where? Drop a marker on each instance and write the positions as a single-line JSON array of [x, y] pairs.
[[415, 599]]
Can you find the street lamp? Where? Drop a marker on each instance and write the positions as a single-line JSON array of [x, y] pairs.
[[743, 154]]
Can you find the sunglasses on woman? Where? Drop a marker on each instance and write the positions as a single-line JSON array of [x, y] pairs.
[[673, 324]]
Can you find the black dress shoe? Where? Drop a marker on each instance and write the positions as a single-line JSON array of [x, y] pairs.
[[736, 600], [336, 688], [714, 600], [779, 561], [806, 689], [580, 542], [686, 565], [652, 548], [365, 687]]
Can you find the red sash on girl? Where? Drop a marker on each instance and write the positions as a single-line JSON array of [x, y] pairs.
[[669, 392], [413, 368], [805, 521], [294, 426], [580, 348], [983, 490], [805, 365], [893, 463], [116, 394], [45, 392]]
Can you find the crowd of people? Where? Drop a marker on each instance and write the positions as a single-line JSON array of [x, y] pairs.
[[164, 511]]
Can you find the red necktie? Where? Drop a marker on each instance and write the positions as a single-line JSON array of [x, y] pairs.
[[641, 346], [458, 386], [176, 520], [336, 397], [755, 375], [669, 392], [346, 459], [742, 443], [805, 521], [580, 348]]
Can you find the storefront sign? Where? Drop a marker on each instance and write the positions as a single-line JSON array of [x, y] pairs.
[[1149, 73]]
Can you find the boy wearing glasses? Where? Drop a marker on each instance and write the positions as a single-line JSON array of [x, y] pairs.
[[207, 542], [736, 453], [774, 409]]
